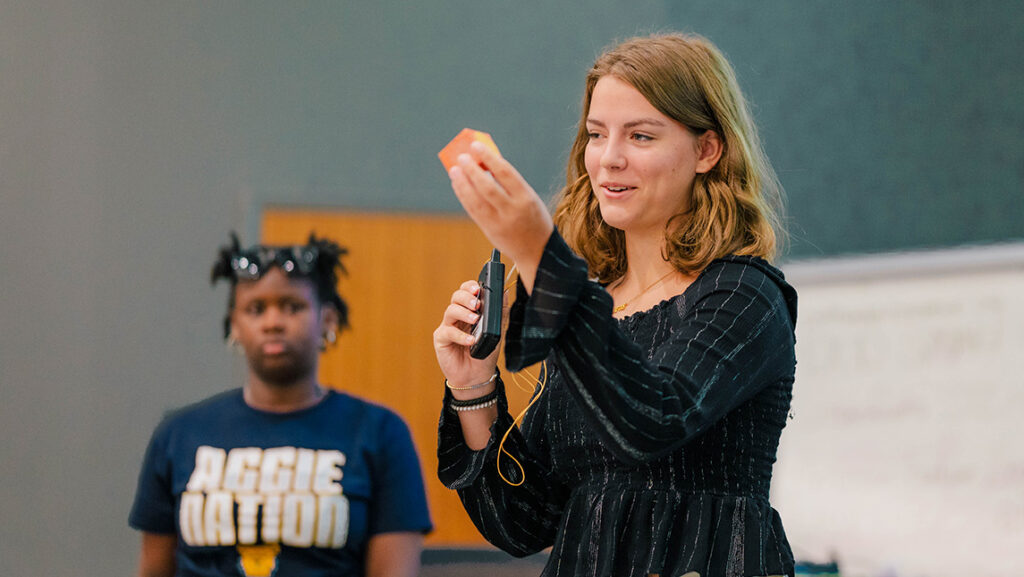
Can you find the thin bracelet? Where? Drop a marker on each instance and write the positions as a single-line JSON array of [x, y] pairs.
[[489, 403], [456, 403], [471, 387]]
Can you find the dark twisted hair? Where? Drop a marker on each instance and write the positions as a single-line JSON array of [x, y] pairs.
[[324, 274]]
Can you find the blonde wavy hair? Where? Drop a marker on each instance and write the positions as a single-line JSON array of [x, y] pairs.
[[735, 207]]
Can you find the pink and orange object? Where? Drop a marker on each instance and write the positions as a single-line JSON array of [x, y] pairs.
[[450, 153]]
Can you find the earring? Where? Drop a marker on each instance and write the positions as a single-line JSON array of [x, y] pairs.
[[233, 344], [329, 338]]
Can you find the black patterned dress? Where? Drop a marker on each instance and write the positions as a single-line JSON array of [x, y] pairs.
[[651, 449]]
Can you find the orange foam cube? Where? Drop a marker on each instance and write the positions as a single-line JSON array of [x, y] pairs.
[[450, 153]]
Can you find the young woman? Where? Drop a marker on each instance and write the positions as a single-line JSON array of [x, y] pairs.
[[282, 476], [668, 335]]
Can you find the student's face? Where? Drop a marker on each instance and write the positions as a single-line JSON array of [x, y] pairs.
[[279, 323], [641, 163]]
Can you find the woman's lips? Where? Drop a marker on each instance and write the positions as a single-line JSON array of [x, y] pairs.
[[617, 191]]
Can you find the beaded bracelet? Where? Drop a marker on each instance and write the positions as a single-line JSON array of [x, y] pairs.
[[471, 387], [489, 403]]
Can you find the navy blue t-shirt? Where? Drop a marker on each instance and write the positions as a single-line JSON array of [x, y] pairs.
[[250, 492]]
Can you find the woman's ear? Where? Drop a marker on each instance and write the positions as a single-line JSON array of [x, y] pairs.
[[709, 151]]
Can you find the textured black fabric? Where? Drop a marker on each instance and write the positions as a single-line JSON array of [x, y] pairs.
[[652, 448]]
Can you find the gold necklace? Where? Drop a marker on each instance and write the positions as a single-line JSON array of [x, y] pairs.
[[623, 306]]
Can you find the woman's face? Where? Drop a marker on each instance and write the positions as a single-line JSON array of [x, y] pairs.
[[278, 322], [641, 163]]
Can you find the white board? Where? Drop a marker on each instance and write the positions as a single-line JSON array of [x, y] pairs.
[[905, 453]]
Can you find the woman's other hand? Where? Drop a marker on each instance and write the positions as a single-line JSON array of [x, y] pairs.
[[452, 342], [453, 339]]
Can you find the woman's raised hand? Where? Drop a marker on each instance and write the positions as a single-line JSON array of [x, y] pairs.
[[505, 207], [453, 339]]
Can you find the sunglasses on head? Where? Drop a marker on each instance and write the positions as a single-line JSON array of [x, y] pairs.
[[253, 263]]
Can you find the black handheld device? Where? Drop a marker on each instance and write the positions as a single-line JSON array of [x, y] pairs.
[[488, 328]]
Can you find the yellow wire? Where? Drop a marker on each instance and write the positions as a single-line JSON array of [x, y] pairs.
[[518, 420], [523, 385], [541, 379]]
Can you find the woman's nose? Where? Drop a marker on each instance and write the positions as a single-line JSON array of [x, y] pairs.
[[613, 157]]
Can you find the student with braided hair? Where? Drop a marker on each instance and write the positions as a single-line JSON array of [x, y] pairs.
[[281, 476]]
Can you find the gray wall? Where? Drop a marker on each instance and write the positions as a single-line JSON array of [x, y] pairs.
[[134, 135]]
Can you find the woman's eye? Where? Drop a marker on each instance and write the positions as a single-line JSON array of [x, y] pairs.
[[593, 135], [254, 309], [642, 137]]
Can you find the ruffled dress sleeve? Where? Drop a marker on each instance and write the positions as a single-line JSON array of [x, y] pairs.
[[520, 520]]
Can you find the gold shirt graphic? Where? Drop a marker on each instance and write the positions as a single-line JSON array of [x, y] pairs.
[[258, 560]]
